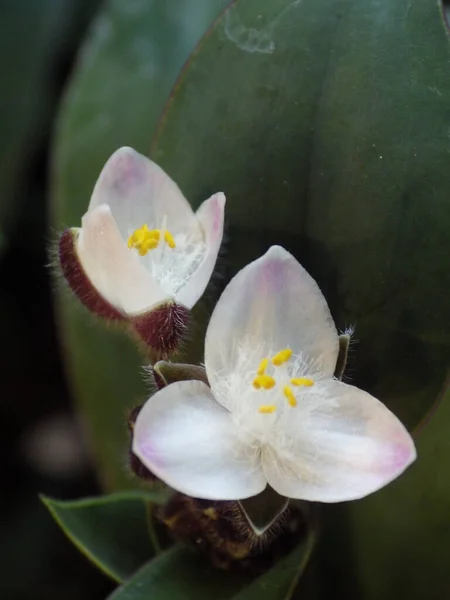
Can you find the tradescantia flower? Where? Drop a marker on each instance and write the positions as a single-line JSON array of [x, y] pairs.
[[274, 413], [142, 255]]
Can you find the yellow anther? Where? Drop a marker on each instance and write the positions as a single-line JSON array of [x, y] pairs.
[[281, 357], [262, 366], [138, 235], [290, 396], [154, 234], [169, 239], [132, 239], [263, 381], [267, 409], [305, 381], [145, 239], [139, 238], [148, 244]]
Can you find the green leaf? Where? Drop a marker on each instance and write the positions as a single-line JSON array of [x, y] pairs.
[[126, 70], [326, 125], [180, 574], [112, 531]]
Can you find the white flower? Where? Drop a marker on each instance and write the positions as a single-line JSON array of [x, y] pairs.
[[274, 413], [140, 244]]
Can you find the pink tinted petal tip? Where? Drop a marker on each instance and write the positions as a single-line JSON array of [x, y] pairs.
[[272, 272], [124, 169], [401, 454], [148, 452], [219, 206]]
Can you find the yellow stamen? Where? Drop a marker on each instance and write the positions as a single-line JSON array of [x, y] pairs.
[[305, 381], [144, 239], [262, 366], [263, 381], [281, 357], [169, 239], [148, 244], [135, 238], [267, 409], [290, 396]]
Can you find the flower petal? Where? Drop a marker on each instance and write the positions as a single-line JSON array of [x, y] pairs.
[[114, 271], [210, 216], [188, 440], [79, 282], [272, 302], [340, 443], [139, 192]]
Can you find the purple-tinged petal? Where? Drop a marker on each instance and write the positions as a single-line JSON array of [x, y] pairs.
[[139, 192], [339, 443], [272, 303], [191, 442]]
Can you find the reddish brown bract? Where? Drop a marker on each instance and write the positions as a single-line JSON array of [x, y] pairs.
[[163, 327]]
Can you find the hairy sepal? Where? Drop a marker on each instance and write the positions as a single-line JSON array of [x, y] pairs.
[[162, 328]]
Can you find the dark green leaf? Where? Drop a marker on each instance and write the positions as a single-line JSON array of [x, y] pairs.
[[126, 70], [178, 574], [112, 531], [28, 69], [326, 125]]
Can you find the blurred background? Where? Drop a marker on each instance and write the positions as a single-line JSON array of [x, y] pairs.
[[41, 441], [43, 444]]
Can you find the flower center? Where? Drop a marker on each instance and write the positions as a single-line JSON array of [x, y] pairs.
[[145, 239], [265, 381]]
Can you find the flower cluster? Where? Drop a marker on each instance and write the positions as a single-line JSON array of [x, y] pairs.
[[269, 409]]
